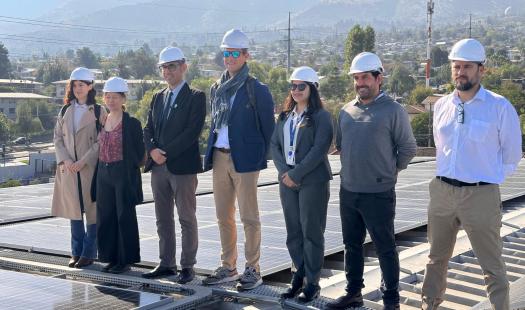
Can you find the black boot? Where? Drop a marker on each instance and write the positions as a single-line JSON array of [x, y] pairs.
[[297, 285], [353, 300], [310, 292]]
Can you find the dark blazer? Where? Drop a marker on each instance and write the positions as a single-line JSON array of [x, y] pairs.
[[313, 142], [248, 144], [132, 155], [179, 137]]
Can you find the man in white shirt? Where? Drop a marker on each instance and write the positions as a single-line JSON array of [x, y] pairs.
[[478, 143]]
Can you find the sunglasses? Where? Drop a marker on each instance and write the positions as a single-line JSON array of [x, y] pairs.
[[300, 87], [170, 67], [234, 54]]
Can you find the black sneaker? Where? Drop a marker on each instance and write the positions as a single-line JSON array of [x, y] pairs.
[[108, 267], [221, 275], [310, 292], [352, 300], [249, 280], [186, 275], [120, 269]]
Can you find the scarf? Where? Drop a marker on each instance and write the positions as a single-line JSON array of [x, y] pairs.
[[226, 88]]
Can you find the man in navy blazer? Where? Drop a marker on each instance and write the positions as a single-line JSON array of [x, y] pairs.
[[175, 121], [240, 132]]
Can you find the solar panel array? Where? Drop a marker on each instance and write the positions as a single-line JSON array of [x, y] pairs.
[[411, 212]]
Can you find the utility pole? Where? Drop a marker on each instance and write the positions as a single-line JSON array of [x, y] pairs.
[[430, 11], [470, 25], [289, 44]]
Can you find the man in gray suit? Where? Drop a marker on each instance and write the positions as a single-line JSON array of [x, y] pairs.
[[171, 136]]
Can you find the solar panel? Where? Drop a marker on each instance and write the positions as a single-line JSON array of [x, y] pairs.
[[27, 291]]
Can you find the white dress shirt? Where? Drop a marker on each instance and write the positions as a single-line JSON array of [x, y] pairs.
[[486, 147], [290, 132], [79, 110]]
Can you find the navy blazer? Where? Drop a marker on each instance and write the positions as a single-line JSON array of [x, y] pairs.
[[180, 133], [248, 144], [311, 153]]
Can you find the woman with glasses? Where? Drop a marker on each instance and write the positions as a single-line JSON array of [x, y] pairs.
[[300, 143], [76, 148], [119, 184]]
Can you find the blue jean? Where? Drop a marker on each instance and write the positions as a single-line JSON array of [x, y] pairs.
[[374, 212], [83, 239]]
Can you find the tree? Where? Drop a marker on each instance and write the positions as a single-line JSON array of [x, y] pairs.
[[5, 128], [438, 56], [51, 71], [400, 81], [278, 84], [24, 118], [5, 64], [259, 70], [335, 87], [193, 71], [422, 128], [358, 40], [143, 63], [515, 94], [419, 94], [86, 58]]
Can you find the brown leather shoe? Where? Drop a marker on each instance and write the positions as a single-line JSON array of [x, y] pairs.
[[73, 261], [83, 262]]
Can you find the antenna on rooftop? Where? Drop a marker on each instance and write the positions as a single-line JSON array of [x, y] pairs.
[[430, 11]]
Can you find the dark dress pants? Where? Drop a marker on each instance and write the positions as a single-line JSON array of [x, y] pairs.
[[305, 216], [117, 227], [374, 212]]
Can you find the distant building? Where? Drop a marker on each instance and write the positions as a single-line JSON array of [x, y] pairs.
[[429, 102], [24, 86], [414, 110], [137, 88], [9, 101]]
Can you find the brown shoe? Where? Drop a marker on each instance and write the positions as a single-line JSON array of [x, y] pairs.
[[73, 261], [83, 262]]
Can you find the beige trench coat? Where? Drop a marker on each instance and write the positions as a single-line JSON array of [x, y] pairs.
[[66, 201]]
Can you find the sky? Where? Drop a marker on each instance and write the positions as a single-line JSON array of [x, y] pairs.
[[27, 8]]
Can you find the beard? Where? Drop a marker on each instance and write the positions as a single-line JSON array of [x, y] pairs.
[[464, 86], [366, 94]]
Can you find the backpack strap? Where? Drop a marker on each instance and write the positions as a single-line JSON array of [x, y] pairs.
[[250, 88], [64, 109]]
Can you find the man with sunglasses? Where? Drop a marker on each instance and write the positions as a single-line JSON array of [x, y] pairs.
[[478, 144], [376, 141], [175, 121], [240, 132]]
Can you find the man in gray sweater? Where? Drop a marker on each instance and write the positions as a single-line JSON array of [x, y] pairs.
[[376, 142]]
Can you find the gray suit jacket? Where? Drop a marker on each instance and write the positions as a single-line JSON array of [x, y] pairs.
[[313, 142]]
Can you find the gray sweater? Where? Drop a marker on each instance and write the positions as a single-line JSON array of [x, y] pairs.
[[376, 141]]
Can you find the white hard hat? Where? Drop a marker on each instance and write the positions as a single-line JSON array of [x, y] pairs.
[[235, 39], [468, 50], [366, 62], [169, 54], [115, 85], [82, 74], [305, 74]]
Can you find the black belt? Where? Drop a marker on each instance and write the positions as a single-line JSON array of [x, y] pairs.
[[459, 183], [111, 164], [223, 150]]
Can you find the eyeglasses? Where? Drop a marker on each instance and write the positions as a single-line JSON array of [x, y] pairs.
[[300, 87], [234, 54], [461, 113], [171, 67]]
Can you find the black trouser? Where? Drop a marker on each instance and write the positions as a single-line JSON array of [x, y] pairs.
[[374, 212], [117, 227], [305, 216]]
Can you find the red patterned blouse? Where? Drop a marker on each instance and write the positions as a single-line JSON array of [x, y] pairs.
[[110, 144]]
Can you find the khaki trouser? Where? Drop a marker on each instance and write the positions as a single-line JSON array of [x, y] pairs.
[[478, 210], [228, 185]]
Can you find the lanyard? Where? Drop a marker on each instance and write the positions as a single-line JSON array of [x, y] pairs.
[[293, 133]]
